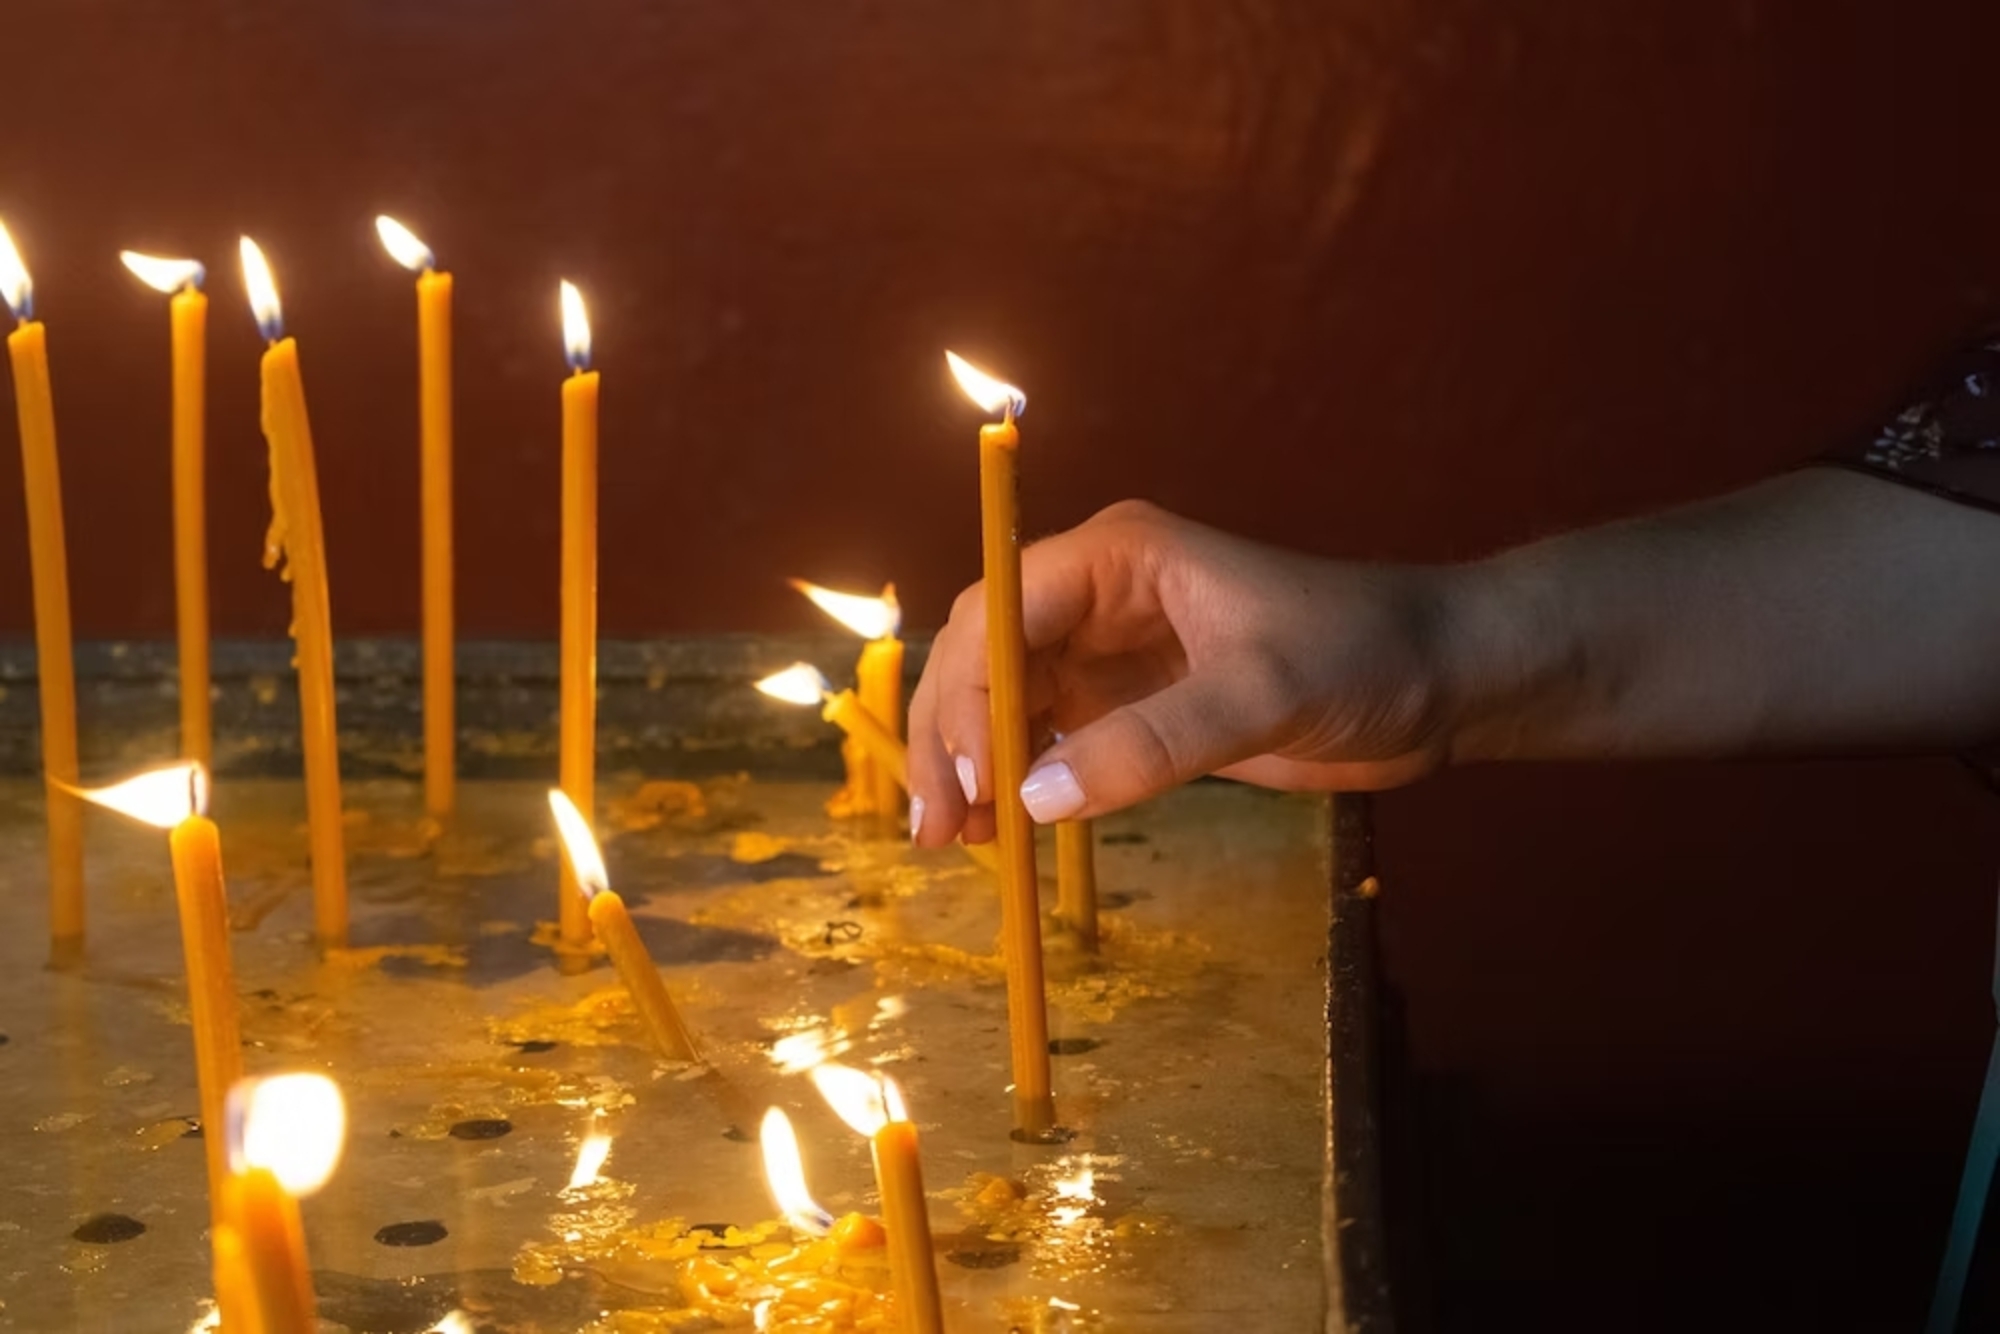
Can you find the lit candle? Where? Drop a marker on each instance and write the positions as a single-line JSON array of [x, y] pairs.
[[285, 1134], [434, 451], [1006, 658], [296, 538], [41, 478], [878, 682], [1076, 880], [873, 1105], [577, 743], [188, 327], [607, 916], [176, 799], [785, 1173], [801, 683]]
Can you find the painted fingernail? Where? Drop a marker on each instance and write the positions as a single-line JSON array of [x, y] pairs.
[[916, 817], [968, 778], [1051, 793]]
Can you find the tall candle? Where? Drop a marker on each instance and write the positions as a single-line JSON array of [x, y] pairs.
[[577, 743], [1076, 880], [188, 330], [176, 799], [55, 673], [873, 1105], [614, 927], [285, 1135], [434, 449], [296, 538], [1006, 659]]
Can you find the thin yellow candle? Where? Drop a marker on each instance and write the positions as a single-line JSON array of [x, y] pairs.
[[801, 683], [878, 681], [296, 538], [613, 925], [188, 329], [873, 1105], [1006, 658], [1076, 880], [285, 1135], [577, 742], [55, 673], [434, 448], [176, 799]]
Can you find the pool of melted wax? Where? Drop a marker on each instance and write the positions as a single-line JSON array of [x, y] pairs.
[[1189, 1070]]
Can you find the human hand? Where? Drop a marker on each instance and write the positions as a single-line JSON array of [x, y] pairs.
[[1160, 650]]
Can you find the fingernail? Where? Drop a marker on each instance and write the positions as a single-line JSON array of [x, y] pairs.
[[968, 778], [1051, 793], [916, 817]]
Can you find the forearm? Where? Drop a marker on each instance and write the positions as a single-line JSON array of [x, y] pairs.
[[1822, 611]]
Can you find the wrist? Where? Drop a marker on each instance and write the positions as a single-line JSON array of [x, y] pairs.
[[1505, 659]]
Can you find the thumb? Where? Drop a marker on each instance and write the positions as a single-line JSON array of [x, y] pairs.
[[1195, 726]]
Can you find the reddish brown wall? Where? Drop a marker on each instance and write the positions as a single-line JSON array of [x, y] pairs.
[[1380, 279]]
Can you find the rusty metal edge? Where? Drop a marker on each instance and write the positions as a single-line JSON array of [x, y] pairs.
[[1353, 1230]]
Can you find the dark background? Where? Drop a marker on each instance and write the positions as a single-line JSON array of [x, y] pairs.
[[1405, 278]]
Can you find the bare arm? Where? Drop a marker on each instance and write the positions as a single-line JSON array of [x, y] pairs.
[[1820, 611]]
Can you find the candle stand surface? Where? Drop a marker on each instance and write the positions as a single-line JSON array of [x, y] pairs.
[[1211, 1063]]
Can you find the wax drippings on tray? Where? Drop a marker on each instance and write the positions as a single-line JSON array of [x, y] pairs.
[[1057, 1214], [661, 801], [373, 956], [764, 1277]]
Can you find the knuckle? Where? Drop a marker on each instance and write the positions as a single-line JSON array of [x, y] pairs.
[[1142, 512]]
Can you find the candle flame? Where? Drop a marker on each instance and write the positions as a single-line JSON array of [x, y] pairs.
[[871, 618], [164, 275], [576, 328], [989, 393], [590, 1160], [586, 861], [799, 683], [865, 1101], [785, 1172], [294, 1126], [263, 290], [1080, 1190], [454, 1322], [16, 287], [159, 797], [403, 245]]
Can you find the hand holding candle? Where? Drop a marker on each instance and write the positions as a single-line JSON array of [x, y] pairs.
[[296, 539], [285, 1134], [606, 914], [873, 1105], [1020, 903], [188, 324], [176, 798], [55, 673], [434, 449]]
